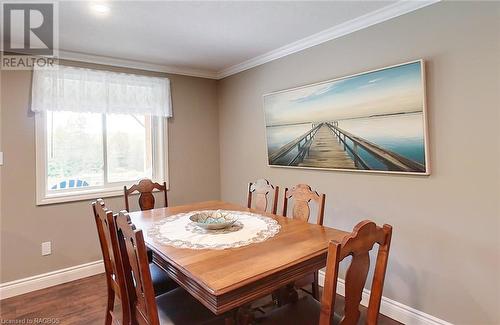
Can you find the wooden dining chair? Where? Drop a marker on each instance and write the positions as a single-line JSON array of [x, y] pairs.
[[115, 276], [174, 307], [145, 188], [302, 195], [106, 229], [258, 195], [358, 245]]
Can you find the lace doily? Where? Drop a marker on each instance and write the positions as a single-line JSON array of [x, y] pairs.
[[178, 231]]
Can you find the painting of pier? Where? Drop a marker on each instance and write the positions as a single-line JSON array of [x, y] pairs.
[[373, 121]]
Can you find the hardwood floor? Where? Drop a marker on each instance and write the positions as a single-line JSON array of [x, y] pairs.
[[78, 302]]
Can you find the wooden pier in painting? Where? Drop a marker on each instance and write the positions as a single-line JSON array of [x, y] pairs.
[[325, 151], [328, 146]]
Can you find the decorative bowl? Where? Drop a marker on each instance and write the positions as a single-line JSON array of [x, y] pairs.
[[213, 219]]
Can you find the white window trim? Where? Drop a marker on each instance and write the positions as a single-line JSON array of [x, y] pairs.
[[44, 198]]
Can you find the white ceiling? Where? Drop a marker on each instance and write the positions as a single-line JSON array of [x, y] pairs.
[[207, 38]]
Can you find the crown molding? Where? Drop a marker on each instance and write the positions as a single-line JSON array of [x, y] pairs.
[[133, 64], [375, 17]]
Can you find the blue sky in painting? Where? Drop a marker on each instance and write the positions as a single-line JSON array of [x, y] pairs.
[[388, 91]]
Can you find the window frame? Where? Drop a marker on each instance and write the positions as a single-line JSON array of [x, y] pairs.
[[43, 195]]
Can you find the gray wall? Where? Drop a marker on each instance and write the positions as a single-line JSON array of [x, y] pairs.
[[193, 169], [445, 256], [446, 252]]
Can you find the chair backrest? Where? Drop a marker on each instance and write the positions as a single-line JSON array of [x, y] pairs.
[[302, 195], [358, 245], [137, 275], [146, 198], [115, 278], [258, 194]]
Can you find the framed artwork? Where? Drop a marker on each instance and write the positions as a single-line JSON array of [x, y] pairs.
[[373, 121]]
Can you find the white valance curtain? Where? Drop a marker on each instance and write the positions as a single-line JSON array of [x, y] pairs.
[[96, 91]]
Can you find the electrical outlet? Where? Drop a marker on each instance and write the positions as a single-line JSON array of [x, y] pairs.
[[46, 248]]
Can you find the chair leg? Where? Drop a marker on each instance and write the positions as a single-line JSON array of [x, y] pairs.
[[285, 295], [245, 315], [231, 317], [315, 287], [109, 308]]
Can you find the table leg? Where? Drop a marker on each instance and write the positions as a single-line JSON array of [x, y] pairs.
[[245, 315], [315, 287], [231, 317], [285, 295]]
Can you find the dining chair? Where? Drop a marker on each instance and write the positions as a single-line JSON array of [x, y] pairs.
[[258, 195], [145, 188], [302, 195], [174, 307], [358, 246], [106, 229], [115, 277]]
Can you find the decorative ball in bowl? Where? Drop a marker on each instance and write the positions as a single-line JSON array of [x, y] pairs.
[[213, 219]]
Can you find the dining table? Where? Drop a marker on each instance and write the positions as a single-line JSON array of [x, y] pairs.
[[227, 279]]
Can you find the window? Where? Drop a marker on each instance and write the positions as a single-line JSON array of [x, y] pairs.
[[88, 153]]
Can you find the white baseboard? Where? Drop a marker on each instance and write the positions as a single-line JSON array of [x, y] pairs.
[[45, 280], [391, 308]]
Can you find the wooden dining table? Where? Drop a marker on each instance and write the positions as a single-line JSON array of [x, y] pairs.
[[224, 280]]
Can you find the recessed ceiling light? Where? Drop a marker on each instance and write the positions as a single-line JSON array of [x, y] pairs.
[[100, 8]]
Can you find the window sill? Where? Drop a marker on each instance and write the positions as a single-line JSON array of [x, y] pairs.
[[79, 196]]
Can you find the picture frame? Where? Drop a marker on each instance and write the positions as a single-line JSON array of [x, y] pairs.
[[374, 121]]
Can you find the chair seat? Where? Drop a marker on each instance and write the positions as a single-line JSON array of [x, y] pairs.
[[306, 312], [303, 312], [179, 307], [162, 283], [149, 251]]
